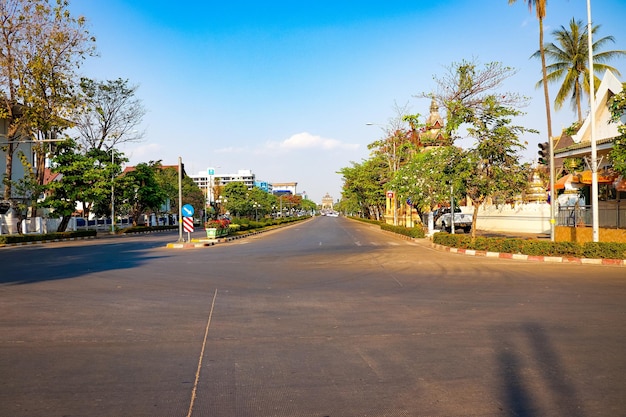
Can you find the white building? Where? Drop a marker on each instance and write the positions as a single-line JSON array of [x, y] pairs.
[[209, 179]]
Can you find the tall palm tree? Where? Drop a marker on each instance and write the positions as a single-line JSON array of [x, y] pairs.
[[540, 8], [569, 56]]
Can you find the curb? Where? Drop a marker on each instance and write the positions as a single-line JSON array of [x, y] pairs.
[[200, 243], [190, 245], [531, 258]]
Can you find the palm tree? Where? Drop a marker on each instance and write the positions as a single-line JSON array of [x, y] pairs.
[[570, 56], [540, 8]]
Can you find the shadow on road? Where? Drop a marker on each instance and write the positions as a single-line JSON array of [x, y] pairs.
[[534, 379], [45, 263]]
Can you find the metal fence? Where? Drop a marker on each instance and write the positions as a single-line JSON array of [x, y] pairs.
[[613, 216]]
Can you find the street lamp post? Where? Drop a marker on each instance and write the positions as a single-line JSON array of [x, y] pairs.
[[256, 207], [221, 201]]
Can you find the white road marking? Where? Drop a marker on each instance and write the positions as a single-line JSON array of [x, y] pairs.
[[206, 334]]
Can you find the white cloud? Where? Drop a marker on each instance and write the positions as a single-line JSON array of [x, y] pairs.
[[306, 140]]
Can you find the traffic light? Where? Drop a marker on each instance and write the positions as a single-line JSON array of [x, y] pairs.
[[544, 153]]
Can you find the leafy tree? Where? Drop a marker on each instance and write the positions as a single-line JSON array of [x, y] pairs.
[[491, 168], [110, 165], [289, 202], [41, 47], [363, 189], [81, 179], [569, 56], [236, 194], [141, 190], [427, 177], [465, 86], [308, 205], [264, 202], [27, 188], [192, 194], [617, 106]]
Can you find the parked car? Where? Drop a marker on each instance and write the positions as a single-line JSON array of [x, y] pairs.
[[443, 220]]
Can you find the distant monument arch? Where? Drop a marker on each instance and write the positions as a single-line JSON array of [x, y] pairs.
[[327, 202]]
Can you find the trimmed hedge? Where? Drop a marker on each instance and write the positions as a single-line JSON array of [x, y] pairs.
[[144, 229], [8, 239], [244, 224], [414, 232], [595, 250]]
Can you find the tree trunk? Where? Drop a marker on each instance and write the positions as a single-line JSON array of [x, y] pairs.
[[8, 175], [549, 121], [544, 73], [474, 219], [64, 222], [578, 106]]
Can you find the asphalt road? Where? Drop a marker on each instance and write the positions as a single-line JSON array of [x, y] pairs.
[[326, 318]]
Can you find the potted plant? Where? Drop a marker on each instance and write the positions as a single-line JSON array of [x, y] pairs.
[[217, 228]]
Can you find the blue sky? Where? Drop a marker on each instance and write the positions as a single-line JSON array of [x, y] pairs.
[[285, 88]]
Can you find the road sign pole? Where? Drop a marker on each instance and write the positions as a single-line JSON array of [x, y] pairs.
[[180, 199]]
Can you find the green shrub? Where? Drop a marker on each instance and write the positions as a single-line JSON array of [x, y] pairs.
[[141, 229], [7, 239], [604, 250], [535, 247], [414, 232]]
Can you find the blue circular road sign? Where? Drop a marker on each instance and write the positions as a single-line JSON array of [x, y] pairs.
[[187, 210]]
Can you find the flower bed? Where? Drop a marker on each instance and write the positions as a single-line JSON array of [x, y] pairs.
[[217, 228]]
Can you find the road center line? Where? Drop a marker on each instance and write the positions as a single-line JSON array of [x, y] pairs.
[[206, 334]]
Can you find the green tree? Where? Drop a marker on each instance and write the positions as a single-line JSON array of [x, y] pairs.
[[491, 168], [465, 86], [236, 194], [617, 106], [569, 57], [110, 166], [263, 201], [426, 179], [141, 190], [41, 47], [192, 194], [309, 206], [82, 178], [27, 188], [363, 189]]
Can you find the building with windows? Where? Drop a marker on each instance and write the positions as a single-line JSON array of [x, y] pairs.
[[265, 186], [208, 180], [243, 175]]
